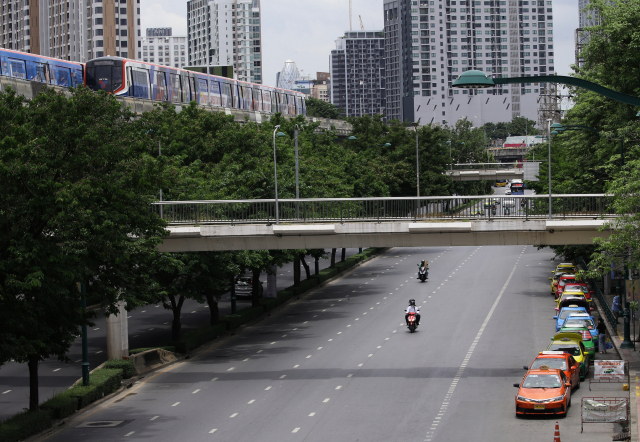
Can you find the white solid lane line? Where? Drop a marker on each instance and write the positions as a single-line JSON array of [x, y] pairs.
[[154, 418], [177, 403]]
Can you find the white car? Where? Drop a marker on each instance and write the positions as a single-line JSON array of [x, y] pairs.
[[507, 191]]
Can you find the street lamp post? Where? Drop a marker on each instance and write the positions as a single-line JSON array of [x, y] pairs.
[[275, 169], [415, 125], [550, 202], [295, 134]]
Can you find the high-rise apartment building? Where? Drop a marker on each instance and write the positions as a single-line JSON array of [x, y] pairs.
[[586, 19], [429, 43], [226, 33], [357, 69], [73, 30], [160, 46]]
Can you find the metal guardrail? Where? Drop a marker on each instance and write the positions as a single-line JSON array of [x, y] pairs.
[[488, 166], [601, 299], [379, 210]]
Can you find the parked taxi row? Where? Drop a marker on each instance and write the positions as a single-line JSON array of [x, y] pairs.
[[558, 370]]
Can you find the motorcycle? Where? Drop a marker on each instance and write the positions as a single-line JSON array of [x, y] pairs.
[[411, 322], [494, 209], [422, 274]]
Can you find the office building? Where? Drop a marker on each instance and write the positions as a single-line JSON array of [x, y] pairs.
[[226, 33], [586, 19], [357, 69], [72, 30], [429, 43], [160, 46], [320, 89]]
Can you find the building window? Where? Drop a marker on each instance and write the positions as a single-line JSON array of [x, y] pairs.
[[98, 10], [123, 22], [98, 21]]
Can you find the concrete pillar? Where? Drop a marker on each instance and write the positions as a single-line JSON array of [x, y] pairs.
[[272, 288], [118, 333]]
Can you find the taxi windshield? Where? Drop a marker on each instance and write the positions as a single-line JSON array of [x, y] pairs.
[[572, 349], [565, 281], [565, 314], [571, 286], [559, 274], [567, 269], [542, 381], [574, 322], [555, 363]]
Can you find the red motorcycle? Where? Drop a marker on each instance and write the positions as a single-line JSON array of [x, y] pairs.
[[412, 322]]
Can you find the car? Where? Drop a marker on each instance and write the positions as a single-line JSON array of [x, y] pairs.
[[579, 286], [244, 287], [554, 281], [558, 360], [501, 183], [507, 191], [571, 342], [577, 301], [588, 341], [543, 391], [582, 320], [567, 267], [571, 294], [564, 279], [565, 312]]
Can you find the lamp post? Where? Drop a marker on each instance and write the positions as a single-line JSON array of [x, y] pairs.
[[295, 134], [415, 125], [550, 201], [275, 169]]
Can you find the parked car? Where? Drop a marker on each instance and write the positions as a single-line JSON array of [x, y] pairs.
[[543, 391], [244, 287]]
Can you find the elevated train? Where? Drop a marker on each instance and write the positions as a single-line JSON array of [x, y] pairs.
[[131, 78], [149, 81]]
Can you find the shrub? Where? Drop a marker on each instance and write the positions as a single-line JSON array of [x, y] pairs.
[[271, 303], [232, 321], [103, 382], [128, 370], [60, 406], [200, 336], [249, 313], [25, 424]]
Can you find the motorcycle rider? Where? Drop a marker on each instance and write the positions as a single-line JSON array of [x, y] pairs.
[[412, 308], [424, 264]]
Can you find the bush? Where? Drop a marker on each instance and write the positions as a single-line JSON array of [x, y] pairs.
[[232, 321], [103, 382], [24, 425], [271, 303], [128, 370], [250, 313], [60, 406], [200, 336]]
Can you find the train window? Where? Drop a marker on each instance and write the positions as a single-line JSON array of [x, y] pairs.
[[215, 95], [228, 96], [204, 92], [161, 87], [176, 88], [194, 91], [104, 75], [37, 72], [62, 76], [18, 69], [76, 77], [140, 80]]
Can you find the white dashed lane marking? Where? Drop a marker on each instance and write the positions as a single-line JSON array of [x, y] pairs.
[[5, 392], [233, 415], [129, 434], [213, 431], [196, 391], [176, 404], [295, 430], [154, 418], [326, 400], [311, 414]]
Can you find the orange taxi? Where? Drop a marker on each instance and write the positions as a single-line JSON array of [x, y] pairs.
[[543, 391], [560, 360]]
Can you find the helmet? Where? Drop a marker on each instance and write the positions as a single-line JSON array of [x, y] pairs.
[[412, 302], [422, 262]]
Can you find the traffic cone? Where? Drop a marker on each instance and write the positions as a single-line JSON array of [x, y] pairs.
[[556, 436]]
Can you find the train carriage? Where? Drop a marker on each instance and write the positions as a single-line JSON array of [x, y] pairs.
[[31, 67], [131, 78]]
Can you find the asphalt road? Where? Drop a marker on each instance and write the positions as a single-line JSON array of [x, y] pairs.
[[148, 326], [340, 365]]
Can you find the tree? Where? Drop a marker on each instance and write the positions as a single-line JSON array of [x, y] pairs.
[[322, 109], [77, 183]]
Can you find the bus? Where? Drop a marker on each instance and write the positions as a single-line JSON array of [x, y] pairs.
[[517, 187]]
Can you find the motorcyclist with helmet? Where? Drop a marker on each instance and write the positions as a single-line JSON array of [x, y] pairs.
[[423, 264], [412, 308]]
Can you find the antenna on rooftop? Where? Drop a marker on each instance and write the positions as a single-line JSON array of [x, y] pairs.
[[350, 16]]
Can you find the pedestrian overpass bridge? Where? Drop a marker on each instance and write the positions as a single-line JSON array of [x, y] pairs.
[[384, 222], [494, 171]]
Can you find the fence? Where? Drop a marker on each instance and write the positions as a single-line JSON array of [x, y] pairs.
[[599, 295], [384, 209]]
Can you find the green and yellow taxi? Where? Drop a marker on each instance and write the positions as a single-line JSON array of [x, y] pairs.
[[571, 342], [587, 339], [555, 279]]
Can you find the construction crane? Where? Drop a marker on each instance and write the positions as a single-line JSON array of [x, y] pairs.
[[361, 24], [350, 16]]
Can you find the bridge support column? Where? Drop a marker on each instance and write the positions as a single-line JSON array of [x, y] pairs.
[[118, 333], [272, 286]]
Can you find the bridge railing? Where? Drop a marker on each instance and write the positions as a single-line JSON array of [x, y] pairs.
[[486, 166], [342, 210]]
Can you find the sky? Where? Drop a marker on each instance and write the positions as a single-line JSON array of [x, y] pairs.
[[305, 30]]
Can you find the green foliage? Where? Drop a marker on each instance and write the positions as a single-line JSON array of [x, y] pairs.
[[103, 382], [23, 425], [128, 370], [519, 126], [322, 109], [135, 351], [60, 406], [198, 337]]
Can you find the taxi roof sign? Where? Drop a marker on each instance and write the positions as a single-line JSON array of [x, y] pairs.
[[552, 352], [543, 367]]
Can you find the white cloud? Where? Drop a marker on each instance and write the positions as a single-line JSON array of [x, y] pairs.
[[305, 31]]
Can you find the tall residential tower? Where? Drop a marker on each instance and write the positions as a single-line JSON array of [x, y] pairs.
[[226, 33], [73, 30], [357, 69], [429, 43]]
